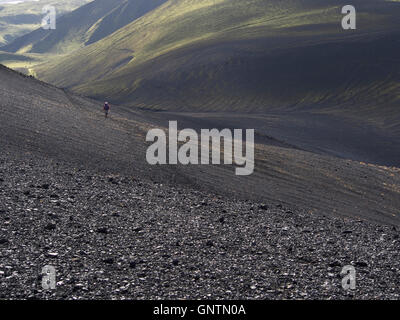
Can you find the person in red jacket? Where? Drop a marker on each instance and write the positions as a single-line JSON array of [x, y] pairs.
[[106, 109]]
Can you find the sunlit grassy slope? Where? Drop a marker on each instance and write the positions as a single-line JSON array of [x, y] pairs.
[[19, 19], [246, 55], [83, 26]]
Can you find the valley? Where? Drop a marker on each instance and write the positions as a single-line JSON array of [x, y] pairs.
[[77, 191]]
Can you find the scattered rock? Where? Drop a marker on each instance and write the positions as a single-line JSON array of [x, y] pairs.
[[52, 254], [50, 226], [258, 255], [175, 262], [78, 286], [209, 243], [102, 230], [361, 264], [45, 186], [113, 180], [109, 260], [335, 263]]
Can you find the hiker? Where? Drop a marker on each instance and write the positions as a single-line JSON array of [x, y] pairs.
[[106, 109]]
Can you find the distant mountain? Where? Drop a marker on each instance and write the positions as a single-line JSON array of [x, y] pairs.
[[22, 17], [83, 26]]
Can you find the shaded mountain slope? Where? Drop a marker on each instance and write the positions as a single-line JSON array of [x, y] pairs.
[[83, 26], [245, 56], [20, 62], [6, 56], [50, 121], [358, 78]]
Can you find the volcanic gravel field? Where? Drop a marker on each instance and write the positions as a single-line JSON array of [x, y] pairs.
[[117, 237], [76, 194]]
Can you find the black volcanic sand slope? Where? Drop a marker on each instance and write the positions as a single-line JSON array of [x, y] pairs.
[[285, 68], [75, 193], [317, 132], [114, 237], [39, 118]]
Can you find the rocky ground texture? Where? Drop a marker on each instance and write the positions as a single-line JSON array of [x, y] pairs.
[[119, 237]]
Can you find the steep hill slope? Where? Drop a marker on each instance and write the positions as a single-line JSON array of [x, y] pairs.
[[250, 56], [83, 26], [51, 122]]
